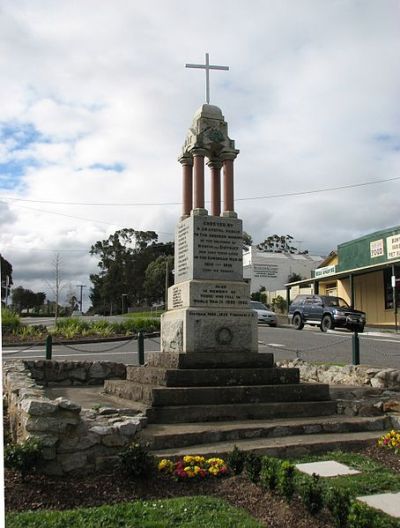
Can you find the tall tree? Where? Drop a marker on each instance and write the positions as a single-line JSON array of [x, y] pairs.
[[24, 299], [247, 240], [158, 274], [6, 278], [280, 244], [123, 260]]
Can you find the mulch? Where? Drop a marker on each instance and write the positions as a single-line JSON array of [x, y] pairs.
[[39, 492]]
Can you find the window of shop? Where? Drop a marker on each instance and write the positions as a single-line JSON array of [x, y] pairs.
[[387, 278]]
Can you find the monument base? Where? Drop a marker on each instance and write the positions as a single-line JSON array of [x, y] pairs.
[[199, 330]]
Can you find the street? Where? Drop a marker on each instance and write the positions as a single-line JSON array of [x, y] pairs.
[[376, 349]]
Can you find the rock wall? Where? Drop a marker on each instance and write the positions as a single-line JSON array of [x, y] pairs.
[[73, 438], [362, 375]]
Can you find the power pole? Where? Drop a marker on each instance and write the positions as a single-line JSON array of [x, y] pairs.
[[81, 286]]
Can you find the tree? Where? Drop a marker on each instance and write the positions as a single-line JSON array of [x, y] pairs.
[[57, 285], [247, 240], [6, 278], [280, 244], [155, 278], [123, 260], [294, 277], [24, 299]]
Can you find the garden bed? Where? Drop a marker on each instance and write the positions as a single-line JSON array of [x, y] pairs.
[[38, 492]]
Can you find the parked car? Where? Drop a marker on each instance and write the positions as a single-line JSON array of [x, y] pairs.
[[325, 311], [264, 315]]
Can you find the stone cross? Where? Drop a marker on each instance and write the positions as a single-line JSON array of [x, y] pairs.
[[207, 66]]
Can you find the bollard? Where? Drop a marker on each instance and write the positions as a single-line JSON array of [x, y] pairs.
[[356, 348], [140, 341], [49, 346]]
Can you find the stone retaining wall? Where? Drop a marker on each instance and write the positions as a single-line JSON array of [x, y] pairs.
[[73, 438], [379, 378]]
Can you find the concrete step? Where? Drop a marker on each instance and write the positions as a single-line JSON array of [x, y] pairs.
[[211, 377], [211, 360], [165, 396], [183, 435], [239, 411], [285, 447]]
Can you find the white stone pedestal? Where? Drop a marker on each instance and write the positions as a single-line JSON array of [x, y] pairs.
[[208, 306]]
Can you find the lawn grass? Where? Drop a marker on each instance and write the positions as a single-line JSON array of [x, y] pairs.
[[149, 314], [373, 477], [186, 512]]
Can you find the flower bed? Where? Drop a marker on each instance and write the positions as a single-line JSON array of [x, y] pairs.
[[390, 440], [193, 467]]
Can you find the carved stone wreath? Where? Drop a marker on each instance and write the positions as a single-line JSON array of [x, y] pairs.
[[224, 336]]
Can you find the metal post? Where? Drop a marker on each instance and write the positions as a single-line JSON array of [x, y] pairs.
[[141, 348], [356, 348], [49, 346]]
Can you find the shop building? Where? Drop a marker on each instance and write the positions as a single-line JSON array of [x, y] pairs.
[[365, 272]]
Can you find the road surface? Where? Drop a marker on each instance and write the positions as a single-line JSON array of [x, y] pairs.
[[310, 344]]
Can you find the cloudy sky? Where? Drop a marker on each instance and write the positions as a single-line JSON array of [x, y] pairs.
[[95, 103]]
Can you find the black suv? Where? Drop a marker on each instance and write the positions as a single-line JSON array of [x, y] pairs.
[[326, 312]]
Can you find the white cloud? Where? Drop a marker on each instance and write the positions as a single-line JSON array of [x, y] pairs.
[[311, 100]]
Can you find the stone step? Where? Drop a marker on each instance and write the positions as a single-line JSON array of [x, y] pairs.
[[211, 377], [183, 435], [239, 411], [285, 447], [211, 360], [163, 396]]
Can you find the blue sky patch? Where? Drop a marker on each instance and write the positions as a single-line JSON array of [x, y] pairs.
[[17, 137], [390, 141], [115, 167]]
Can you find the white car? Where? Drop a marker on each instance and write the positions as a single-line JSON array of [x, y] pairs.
[[264, 315]]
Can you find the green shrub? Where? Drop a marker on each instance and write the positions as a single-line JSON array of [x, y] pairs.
[[338, 502], [360, 516], [24, 456], [31, 331], [137, 461], [269, 472], [236, 459], [312, 493], [252, 466], [10, 321], [285, 484]]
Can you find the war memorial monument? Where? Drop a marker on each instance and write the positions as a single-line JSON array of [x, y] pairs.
[[209, 368]]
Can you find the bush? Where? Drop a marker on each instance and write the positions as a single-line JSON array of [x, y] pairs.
[[269, 472], [285, 482], [23, 457], [10, 321], [252, 466], [338, 503], [312, 494], [361, 516], [137, 461], [236, 459]]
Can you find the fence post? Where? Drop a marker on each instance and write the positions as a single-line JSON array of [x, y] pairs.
[[49, 346], [141, 348], [356, 348]]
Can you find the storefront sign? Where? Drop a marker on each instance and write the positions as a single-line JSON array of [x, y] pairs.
[[393, 246], [323, 272], [376, 248]]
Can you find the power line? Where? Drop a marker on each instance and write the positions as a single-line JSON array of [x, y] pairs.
[[148, 204], [74, 217]]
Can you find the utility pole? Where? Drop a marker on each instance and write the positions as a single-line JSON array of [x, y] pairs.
[[81, 286], [122, 301]]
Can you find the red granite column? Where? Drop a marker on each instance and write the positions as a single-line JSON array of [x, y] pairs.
[[228, 185], [187, 185], [198, 167], [215, 167]]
